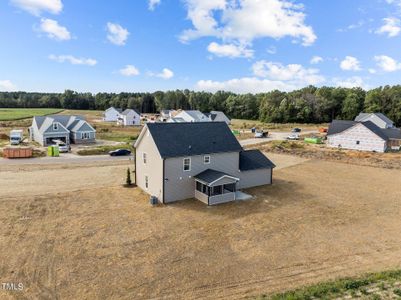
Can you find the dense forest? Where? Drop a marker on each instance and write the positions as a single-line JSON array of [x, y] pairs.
[[307, 105]]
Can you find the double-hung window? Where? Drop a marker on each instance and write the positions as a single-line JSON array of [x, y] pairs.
[[187, 164], [144, 158], [206, 159]]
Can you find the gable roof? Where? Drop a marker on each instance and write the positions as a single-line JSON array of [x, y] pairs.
[[117, 109], [253, 160], [196, 115], [210, 176], [68, 122], [338, 126], [195, 138], [363, 116]]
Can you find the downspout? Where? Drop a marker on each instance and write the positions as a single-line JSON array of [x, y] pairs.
[[271, 175], [164, 179]]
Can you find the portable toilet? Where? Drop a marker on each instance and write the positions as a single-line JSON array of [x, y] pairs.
[[56, 151], [49, 151]]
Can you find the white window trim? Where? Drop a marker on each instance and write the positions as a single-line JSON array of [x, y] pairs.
[[85, 135], [204, 159], [183, 164], [144, 158]]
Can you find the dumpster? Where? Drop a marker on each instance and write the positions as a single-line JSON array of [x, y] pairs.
[[17, 152], [313, 140], [235, 132]]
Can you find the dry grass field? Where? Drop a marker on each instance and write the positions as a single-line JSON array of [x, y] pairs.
[[87, 237]]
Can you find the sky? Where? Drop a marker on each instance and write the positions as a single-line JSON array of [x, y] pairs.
[[205, 45]]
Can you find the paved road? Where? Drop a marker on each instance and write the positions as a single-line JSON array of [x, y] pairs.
[[72, 158], [273, 136]]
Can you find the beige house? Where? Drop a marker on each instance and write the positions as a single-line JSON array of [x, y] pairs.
[[203, 160]]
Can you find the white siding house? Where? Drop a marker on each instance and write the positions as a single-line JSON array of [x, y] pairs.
[[129, 117], [111, 114]]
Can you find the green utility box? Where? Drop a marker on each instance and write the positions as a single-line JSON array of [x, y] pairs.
[[53, 151], [313, 140]]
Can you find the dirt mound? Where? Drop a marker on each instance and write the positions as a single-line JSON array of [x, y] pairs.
[[4, 136]]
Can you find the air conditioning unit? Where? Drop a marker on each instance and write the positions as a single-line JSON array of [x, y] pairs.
[[153, 200]]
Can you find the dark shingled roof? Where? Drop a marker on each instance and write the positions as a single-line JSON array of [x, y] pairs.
[[253, 160], [197, 138], [392, 133], [338, 126], [210, 176], [362, 116], [375, 129]]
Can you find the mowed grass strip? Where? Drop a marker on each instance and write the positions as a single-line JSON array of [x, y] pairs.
[[10, 114], [380, 285], [101, 150]]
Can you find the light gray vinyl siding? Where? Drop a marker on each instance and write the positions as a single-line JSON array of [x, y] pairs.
[[153, 168], [76, 137], [180, 185], [254, 178]]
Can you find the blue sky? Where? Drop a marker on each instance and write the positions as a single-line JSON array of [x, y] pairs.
[[238, 45]]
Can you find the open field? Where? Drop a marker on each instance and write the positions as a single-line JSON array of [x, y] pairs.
[[9, 114], [84, 236]]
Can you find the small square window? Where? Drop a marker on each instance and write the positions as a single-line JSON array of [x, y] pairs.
[[144, 158], [187, 164], [146, 182], [358, 142], [206, 159]]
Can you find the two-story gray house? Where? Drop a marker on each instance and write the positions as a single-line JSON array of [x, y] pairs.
[[69, 129], [203, 160]]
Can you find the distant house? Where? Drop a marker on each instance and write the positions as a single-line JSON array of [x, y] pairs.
[[69, 129], [129, 117], [202, 160], [219, 116], [192, 116], [111, 114], [379, 119], [364, 136]]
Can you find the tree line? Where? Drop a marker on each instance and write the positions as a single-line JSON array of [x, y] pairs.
[[307, 105]]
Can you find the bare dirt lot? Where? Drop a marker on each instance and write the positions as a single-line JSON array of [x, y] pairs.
[[86, 237]]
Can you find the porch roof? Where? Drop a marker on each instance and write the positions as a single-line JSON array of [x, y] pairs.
[[211, 176]]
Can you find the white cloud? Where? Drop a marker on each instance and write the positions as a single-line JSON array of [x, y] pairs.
[[129, 70], [372, 71], [396, 2], [351, 82], [316, 60], [164, 74], [54, 30], [297, 74], [272, 50], [7, 85], [117, 34], [391, 27], [153, 3], [73, 60], [387, 63], [268, 76], [230, 50], [243, 21], [36, 7], [350, 63], [244, 85]]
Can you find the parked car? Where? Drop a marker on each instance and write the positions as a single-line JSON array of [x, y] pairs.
[[296, 129], [120, 152], [261, 134], [62, 147], [293, 137]]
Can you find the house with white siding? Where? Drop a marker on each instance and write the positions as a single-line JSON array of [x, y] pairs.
[[202, 160], [363, 136], [379, 119], [129, 117], [111, 114]]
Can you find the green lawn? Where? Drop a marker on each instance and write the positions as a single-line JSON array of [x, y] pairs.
[[10, 114]]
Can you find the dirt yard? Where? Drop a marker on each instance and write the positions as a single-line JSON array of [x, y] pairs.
[[86, 237]]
